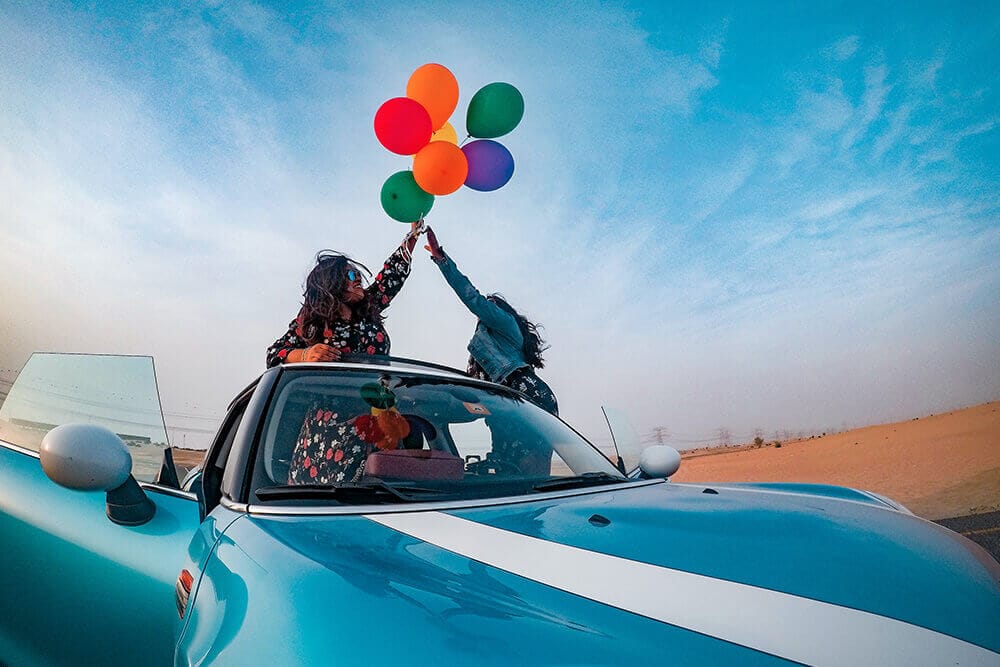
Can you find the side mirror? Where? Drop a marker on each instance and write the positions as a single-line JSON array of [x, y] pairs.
[[659, 461], [87, 457]]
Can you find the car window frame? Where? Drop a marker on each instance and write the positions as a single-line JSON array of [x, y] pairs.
[[235, 482], [219, 452]]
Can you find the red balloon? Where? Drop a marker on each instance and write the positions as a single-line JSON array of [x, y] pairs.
[[403, 125]]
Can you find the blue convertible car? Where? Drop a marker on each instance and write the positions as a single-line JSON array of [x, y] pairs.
[[397, 513]]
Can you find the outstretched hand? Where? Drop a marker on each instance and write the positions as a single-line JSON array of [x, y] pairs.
[[416, 228], [433, 247]]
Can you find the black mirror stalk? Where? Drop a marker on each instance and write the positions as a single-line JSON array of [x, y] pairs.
[[128, 504]]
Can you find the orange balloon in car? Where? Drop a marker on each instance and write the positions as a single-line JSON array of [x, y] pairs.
[[393, 425]]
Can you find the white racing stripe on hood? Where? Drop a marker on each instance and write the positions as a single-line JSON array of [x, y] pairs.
[[788, 626]]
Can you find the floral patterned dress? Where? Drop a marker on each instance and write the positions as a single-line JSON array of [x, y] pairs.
[[365, 336], [330, 449], [333, 446]]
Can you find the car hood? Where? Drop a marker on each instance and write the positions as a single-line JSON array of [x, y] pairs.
[[613, 576]]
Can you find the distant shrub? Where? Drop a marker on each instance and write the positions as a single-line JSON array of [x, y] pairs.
[[777, 444], [758, 441]]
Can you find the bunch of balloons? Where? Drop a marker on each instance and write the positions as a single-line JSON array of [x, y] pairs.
[[384, 427], [418, 125]]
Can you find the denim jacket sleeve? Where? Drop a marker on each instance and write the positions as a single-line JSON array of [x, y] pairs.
[[488, 313]]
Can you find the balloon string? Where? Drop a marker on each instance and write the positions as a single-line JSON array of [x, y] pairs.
[[464, 140]]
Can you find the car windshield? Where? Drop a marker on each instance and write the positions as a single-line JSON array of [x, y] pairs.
[[361, 436]]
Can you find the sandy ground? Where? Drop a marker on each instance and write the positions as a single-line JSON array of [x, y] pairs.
[[188, 458], [939, 466]]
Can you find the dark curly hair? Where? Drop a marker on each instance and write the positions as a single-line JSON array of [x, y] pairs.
[[534, 345], [321, 296]]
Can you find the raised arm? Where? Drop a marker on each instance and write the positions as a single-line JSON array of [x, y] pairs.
[[394, 272], [488, 312]]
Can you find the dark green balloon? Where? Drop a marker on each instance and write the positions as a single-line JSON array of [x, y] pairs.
[[378, 396], [403, 199], [495, 110]]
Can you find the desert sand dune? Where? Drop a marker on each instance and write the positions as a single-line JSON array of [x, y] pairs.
[[938, 466]]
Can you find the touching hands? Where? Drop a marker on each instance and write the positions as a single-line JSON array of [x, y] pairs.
[[433, 247], [416, 229], [320, 352]]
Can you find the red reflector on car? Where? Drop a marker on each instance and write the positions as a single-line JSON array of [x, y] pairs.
[[182, 591]]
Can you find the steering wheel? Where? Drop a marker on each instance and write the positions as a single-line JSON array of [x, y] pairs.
[[489, 465]]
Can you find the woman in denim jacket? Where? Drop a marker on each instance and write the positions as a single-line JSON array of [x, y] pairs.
[[506, 347]]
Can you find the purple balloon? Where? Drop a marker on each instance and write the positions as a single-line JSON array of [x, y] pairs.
[[490, 165]]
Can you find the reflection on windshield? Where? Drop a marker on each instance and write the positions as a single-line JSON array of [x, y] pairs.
[[117, 392], [359, 428]]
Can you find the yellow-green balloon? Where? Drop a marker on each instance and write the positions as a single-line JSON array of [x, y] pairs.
[[403, 199], [495, 110]]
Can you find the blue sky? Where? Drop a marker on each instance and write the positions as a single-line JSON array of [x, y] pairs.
[[740, 215]]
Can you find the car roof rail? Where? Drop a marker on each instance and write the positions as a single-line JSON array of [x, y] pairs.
[[388, 360]]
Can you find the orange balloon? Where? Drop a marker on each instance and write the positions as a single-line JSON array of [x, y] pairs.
[[393, 424], [445, 133], [440, 168], [436, 89]]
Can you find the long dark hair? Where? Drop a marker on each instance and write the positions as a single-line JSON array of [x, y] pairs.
[[321, 300], [534, 345]]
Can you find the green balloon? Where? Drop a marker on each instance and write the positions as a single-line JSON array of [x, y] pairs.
[[403, 199], [495, 110], [378, 396]]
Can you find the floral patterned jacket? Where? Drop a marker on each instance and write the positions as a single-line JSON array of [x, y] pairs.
[[365, 336]]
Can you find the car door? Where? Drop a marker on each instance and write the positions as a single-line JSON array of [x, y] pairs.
[[77, 588]]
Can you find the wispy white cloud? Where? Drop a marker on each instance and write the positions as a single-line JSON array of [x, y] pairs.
[[843, 203], [898, 127], [716, 190], [819, 114], [712, 48], [929, 74], [845, 48], [976, 128], [872, 100]]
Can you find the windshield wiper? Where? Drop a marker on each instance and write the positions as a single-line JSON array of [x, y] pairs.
[[586, 479], [349, 492]]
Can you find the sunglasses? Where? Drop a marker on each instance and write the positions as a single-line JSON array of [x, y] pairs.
[[353, 275]]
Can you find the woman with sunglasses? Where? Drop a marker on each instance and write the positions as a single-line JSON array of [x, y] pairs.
[[506, 347], [338, 314]]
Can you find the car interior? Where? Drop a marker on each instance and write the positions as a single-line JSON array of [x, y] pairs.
[[425, 452]]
